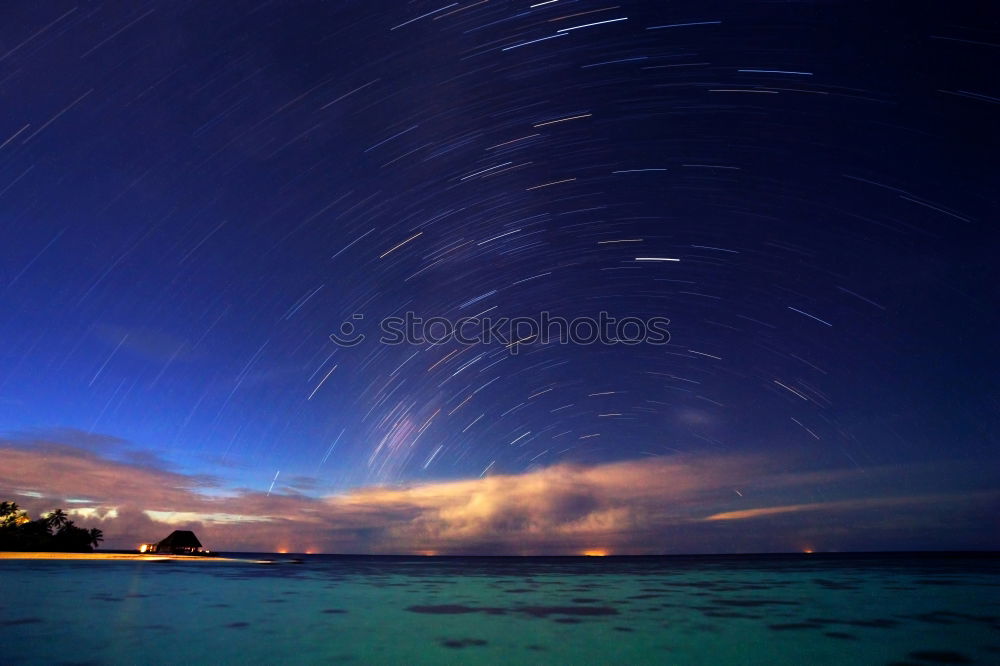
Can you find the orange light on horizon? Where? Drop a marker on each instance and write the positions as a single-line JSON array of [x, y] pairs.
[[427, 553], [808, 551], [282, 551], [596, 552]]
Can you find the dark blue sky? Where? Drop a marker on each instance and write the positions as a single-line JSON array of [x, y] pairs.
[[194, 196]]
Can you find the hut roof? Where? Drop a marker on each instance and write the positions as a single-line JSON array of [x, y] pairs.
[[180, 539]]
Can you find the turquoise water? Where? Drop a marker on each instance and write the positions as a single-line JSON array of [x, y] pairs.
[[740, 610]]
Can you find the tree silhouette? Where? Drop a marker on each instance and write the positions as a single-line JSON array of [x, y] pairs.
[[19, 532], [11, 514], [58, 518]]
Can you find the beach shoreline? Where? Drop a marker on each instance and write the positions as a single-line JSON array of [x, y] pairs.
[[12, 555]]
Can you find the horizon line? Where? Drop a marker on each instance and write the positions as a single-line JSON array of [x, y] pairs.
[[801, 553]]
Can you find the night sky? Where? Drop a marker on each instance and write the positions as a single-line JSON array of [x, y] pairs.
[[194, 196]]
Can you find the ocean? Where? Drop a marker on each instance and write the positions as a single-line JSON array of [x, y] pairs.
[[781, 609]]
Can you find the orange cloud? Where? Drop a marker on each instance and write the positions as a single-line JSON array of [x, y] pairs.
[[653, 505], [849, 505]]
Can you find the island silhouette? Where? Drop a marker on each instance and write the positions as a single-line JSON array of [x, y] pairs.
[[53, 532]]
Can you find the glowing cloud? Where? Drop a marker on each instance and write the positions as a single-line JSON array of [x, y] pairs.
[[654, 505]]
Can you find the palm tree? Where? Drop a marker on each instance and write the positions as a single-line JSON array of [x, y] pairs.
[[58, 518], [96, 536], [11, 515]]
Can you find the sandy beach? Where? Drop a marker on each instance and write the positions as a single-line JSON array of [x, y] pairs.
[[109, 556]]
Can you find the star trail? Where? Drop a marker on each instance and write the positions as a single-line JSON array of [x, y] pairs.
[[198, 200]]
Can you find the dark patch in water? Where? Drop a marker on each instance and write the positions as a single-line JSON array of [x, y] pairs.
[[545, 611], [794, 625], [645, 596], [833, 585], [626, 629], [950, 617], [519, 590], [929, 618], [462, 642], [872, 624], [533, 611], [940, 657], [237, 625], [333, 610], [567, 620], [839, 634], [877, 623], [453, 609], [22, 620], [584, 600], [754, 603], [730, 614]]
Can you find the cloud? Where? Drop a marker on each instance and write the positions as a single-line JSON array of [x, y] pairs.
[[723, 503], [845, 505]]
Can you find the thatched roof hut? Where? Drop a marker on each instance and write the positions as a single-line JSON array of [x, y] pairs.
[[180, 542]]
